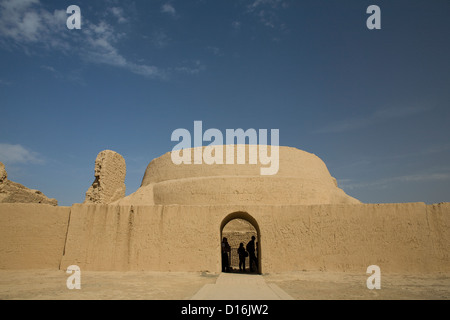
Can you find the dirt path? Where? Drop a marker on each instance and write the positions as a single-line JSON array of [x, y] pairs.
[[235, 286]]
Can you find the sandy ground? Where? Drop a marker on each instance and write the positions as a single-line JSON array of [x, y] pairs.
[[348, 286], [50, 284]]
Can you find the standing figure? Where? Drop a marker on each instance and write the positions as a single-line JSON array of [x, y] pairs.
[[251, 253], [242, 255], [225, 250]]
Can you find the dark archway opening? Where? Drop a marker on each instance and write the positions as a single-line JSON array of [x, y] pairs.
[[239, 227]]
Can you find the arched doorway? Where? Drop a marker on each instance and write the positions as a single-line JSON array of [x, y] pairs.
[[246, 219]]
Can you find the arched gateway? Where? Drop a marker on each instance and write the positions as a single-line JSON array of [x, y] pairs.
[[247, 217]]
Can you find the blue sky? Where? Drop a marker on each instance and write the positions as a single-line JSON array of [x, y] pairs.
[[373, 104]]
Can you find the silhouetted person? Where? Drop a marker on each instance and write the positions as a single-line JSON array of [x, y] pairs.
[[251, 254], [225, 249], [242, 255]]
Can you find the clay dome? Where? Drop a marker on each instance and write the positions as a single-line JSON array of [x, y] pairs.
[[302, 178]]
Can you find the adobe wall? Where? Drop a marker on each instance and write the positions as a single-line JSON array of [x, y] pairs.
[[32, 236], [158, 238], [405, 238], [409, 237]]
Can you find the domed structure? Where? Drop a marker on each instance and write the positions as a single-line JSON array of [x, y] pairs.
[[302, 178]]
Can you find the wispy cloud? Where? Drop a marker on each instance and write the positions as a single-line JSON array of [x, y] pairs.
[[160, 39], [349, 184], [73, 76], [437, 148], [380, 115], [365, 162], [49, 68], [267, 12], [192, 68], [256, 4], [16, 154], [169, 9], [101, 40], [25, 22], [27, 25], [236, 25], [215, 51], [4, 83], [119, 14]]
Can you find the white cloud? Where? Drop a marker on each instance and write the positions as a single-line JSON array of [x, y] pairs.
[[17, 154], [349, 184], [380, 115], [101, 49], [147, 71], [119, 14], [270, 3], [236, 25], [49, 68], [169, 9], [437, 148], [266, 12], [191, 68], [215, 50], [160, 39], [24, 22], [423, 177], [27, 25]]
